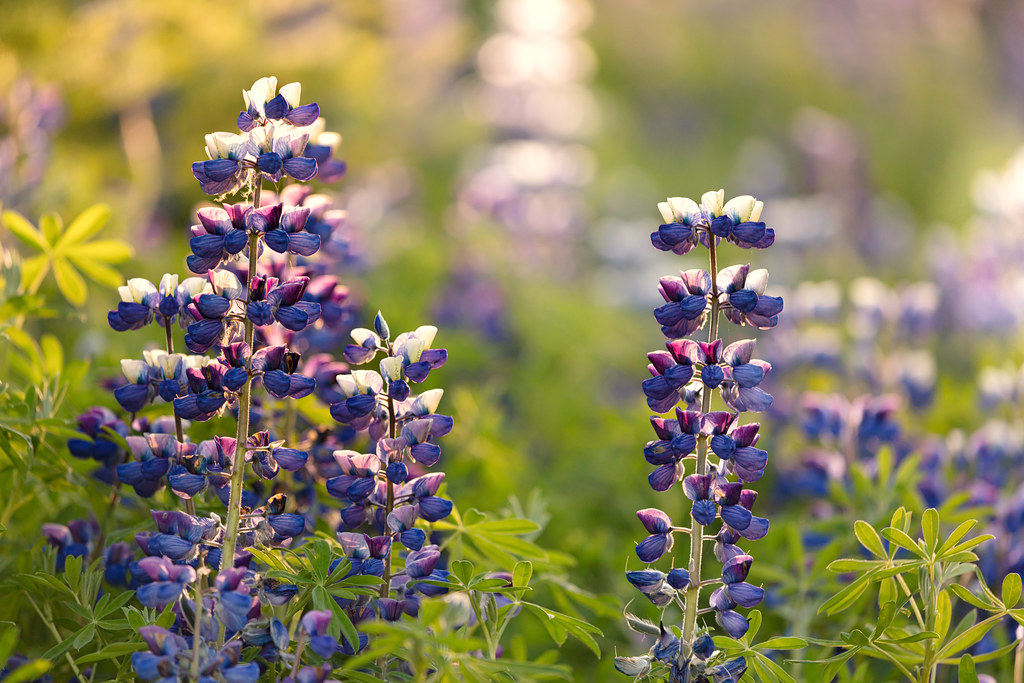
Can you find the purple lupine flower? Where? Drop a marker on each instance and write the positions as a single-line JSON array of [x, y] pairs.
[[166, 582], [359, 476], [744, 289], [220, 236], [158, 374], [288, 234], [230, 160], [270, 301], [279, 366], [153, 456], [739, 224], [233, 599], [322, 147], [677, 440], [652, 584], [686, 303], [142, 302], [73, 540], [264, 102], [315, 623], [746, 373], [279, 153], [207, 394], [659, 526]]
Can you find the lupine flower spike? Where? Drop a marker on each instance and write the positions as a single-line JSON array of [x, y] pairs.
[[684, 378]]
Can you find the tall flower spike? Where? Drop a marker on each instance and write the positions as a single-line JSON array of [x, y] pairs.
[[686, 376]]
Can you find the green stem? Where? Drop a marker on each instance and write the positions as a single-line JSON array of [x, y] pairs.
[[179, 431], [696, 530], [298, 653], [928, 667], [197, 626], [385, 588], [1018, 662], [913, 602], [56, 634], [242, 434]]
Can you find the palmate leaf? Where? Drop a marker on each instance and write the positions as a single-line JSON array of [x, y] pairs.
[[67, 254]]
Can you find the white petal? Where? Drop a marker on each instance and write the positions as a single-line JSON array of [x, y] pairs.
[[291, 93], [134, 370], [683, 208]]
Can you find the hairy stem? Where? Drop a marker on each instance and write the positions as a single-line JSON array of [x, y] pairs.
[[179, 431], [197, 627], [244, 396], [385, 588], [696, 531]]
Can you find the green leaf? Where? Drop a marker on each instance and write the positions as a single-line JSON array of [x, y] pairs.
[[869, 538], [84, 636], [51, 226], [846, 597], [24, 231], [463, 571], [930, 529], [105, 251], [97, 272], [968, 637], [943, 614], [33, 271], [8, 640], [901, 539], [70, 283], [783, 643], [844, 565], [511, 526], [28, 672], [885, 616], [111, 652], [958, 533], [522, 573], [87, 224], [967, 673], [1011, 590]]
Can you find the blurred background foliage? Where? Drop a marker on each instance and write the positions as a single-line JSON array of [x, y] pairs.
[[504, 164]]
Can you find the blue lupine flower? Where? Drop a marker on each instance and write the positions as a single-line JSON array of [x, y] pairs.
[[207, 395], [322, 146], [73, 540], [231, 157], [359, 476], [153, 456], [158, 374], [744, 289], [742, 393], [286, 232], [653, 585], [265, 103], [686, 303], [279, 153], [280, 378], [739, 224], [315, 623], [233, 598], [283, 302], [220, 236], [166, 582], [142, 302], [659, 526], [678, 439], [697, 488]]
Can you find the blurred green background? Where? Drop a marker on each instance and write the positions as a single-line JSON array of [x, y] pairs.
[[505, 160]]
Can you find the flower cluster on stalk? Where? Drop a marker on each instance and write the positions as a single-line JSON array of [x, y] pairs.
[[246, 325], [708, 451]]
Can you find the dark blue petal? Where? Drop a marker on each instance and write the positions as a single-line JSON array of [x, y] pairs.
[[287, 524], [290, 459], [433, 508], [704, 511], [277, 240], [132, 397], [276, 108], [269, 163], [260, 313], [235, 241], [277, 383], [212, 306], [207, 246], [303, 243], [652, 547], [300, 168], [218, 170], [303, 115]]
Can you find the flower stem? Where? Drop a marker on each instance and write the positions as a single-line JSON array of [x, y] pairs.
[[179, 431], [696, 531], [197, 627], [244, 396], [385, 588]]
